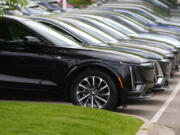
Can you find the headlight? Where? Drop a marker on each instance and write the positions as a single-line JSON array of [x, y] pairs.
[[57, 11], [174, 50], [170, 55], [178, 46], [147, 64], [165, 60]]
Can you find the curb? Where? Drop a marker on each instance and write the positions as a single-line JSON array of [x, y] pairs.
[[154, 128], [160, 129], [144, 129]]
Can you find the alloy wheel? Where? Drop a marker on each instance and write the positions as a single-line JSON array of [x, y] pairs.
[[93, 91]]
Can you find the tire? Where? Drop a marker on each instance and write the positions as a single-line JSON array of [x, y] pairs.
[[103, 95]]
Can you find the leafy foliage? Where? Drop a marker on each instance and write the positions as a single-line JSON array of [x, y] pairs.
[[11, 4], [80, 2]]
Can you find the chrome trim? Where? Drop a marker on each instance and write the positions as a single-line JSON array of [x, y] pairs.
[[159, 70], [132, 78]]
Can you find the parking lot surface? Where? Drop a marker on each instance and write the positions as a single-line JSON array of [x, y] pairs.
[[163, 107]]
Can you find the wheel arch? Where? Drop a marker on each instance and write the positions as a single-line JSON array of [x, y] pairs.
[[99, 66]]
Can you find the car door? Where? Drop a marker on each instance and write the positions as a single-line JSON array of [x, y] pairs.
[[23, 66]]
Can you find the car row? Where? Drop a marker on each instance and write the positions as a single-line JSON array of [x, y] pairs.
[[98, 56]]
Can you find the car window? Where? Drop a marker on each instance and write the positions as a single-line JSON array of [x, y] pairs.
[[14, 34], [18, 33], [136, 25], [51, 35], [144, 14], [54, 4], [114, 22], [37, 8], [62, 32], [4, 32], [82, 37], [93, 31], [102, 26]]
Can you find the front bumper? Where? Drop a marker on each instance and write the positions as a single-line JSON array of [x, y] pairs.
[[140, 93], [141, 82]]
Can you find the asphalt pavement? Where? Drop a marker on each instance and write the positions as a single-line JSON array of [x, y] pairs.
[[163, 107]]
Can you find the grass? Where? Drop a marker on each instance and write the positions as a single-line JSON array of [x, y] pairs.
[[80, 2], [54, 119]]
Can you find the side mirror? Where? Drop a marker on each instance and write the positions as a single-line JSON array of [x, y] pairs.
[[29, 40]]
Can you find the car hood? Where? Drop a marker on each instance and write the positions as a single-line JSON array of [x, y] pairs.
[[107, 54], [164, 30], [160, 38], [169, 27], [144, 45], [136, 51], [173, 23]]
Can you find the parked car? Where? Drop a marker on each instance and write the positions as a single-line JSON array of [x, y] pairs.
[[66, 27], [51, 5], [136, 32], [33, 56], [147, 22], [146, 10], [7, 10], [150, 19], [33, 9]]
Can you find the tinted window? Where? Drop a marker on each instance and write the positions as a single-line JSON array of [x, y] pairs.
[[54, 4], [93, 31], [4, 31], [18, 32], [81, 36], [62, 32], [50, 34], [13, 33]]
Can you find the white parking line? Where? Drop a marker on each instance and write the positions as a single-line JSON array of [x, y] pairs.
[[166, 104]]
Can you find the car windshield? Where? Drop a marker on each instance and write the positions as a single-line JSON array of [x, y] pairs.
[[92, 31], [159, 15], [157, 2], [121, 26], [37, 9], [50, 34], [144, 15], [169, 3], [86, 37], [114, 24], [140, 19], [152, 14], [54, 4], [104, 27], [136, 25]]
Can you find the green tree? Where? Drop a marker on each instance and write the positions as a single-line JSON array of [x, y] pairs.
[[11, 4]]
